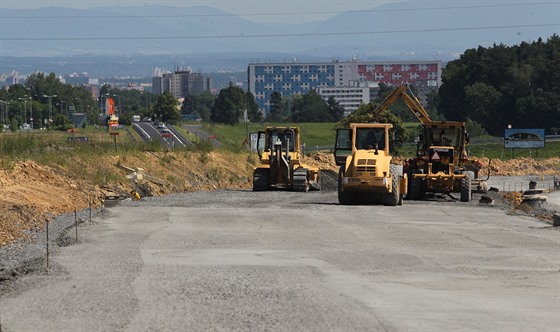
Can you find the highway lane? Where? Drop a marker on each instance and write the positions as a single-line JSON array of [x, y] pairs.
[[277, 261], [170, 138]]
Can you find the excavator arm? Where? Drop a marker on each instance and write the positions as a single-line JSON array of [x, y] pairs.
[[411, 101]]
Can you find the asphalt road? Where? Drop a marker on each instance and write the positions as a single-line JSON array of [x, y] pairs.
[[149, 131], [277, 261]]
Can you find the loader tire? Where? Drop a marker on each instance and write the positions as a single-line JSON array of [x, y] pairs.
[[260, 179], [416, 189], [466, 189], [344, 198], [393, 198]]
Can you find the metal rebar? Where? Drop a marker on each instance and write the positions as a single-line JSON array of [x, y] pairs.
[[47, 270]]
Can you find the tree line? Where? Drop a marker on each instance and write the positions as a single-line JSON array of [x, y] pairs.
[[504, 85], [231, 103]]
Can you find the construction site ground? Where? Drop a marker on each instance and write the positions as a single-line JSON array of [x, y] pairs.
[[31, 193]]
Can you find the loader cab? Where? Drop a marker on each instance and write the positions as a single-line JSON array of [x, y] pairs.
[[370, 139], [373, 137]]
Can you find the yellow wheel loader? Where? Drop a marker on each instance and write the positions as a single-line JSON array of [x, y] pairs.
[[281, 164], [366, 174]]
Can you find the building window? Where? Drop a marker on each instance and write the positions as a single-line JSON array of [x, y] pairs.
[[304, 69], [286, 69], [296, 78], [423, 67], [405, 67], [268, 69], [387, 68], [277, 78]]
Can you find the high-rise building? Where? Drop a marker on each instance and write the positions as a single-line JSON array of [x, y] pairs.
[[299, 78], [183, 82]]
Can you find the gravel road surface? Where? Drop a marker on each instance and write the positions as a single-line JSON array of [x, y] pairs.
[[281, 261]]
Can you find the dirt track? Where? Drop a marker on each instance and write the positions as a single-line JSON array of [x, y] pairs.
[[239, 260], [31, 193]]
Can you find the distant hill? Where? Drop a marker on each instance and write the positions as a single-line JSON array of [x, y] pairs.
[[406, 29]]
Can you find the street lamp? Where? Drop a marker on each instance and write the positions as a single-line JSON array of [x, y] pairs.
[[24, 108], [103, 105], [120, 110], [50, 105], [4, 114]]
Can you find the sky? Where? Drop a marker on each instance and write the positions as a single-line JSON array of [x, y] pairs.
[[320, 9]]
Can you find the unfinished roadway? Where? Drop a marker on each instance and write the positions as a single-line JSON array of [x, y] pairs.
[[280, 261]]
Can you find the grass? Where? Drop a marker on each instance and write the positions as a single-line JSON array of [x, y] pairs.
[[54, 148], [312, 134]]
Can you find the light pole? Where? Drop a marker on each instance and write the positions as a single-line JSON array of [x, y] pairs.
[[4, 113], [24, 109], [120, 110], [50, 105]]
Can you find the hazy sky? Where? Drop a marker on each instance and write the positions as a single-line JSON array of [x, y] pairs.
[[327, 8]]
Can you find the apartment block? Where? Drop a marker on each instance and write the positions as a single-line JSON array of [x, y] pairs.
[[181, 83], [299, 78]]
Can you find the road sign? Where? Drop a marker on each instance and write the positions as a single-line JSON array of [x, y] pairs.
[[114, 133]]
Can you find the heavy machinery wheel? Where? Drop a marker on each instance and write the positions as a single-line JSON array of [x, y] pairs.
[[393, 197], [344, 198], [260, 179], [466, 189], [416, 189], [299, 182]]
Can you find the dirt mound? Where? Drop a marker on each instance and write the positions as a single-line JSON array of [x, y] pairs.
[[522, 166], [31, 193]]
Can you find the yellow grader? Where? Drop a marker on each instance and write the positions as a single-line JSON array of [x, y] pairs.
[[281, 164], [441, 164]]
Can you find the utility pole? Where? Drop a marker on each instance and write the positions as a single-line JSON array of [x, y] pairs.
[[50, 105], [25, 108]]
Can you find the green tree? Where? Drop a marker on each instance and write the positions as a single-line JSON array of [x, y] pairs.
[[166, 108], [504, 85], [200, 105], [13, 125], [311, 108], [368, 113], [336, 111], [229, 106], [253, 112], [277, 112]]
